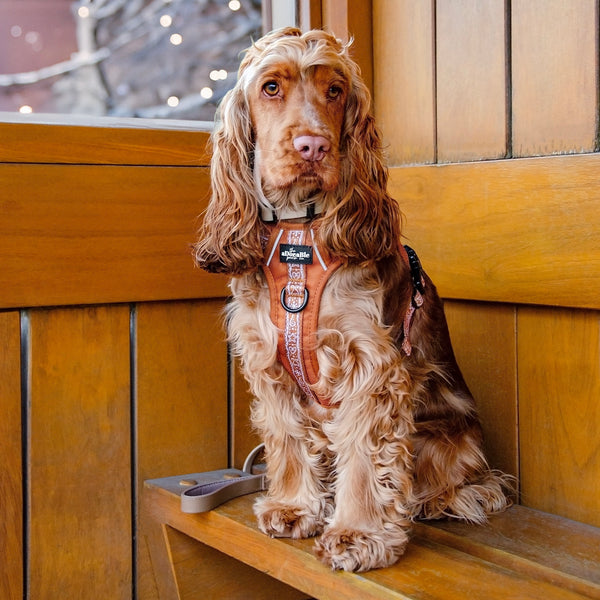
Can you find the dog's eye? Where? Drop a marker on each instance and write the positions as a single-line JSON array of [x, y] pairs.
[[334, 91], [271, 88]]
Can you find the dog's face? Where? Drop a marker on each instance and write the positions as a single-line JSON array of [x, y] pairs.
[[297, 106]]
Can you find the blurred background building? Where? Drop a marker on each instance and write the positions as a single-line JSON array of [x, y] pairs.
[[125, 58]]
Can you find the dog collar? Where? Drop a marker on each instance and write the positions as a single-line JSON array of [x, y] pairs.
[[270, 215]]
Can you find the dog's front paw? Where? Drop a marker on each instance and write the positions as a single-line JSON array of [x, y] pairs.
[[279, 520], [347, 550]]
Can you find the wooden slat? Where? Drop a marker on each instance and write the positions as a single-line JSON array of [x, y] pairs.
[[559, 411], [404, 86], [352, 20], [521, 231], [484, 341], [202, 572], [526, 540], [80, 445], [428, 569], [99, 234], [106, 141], [471, 80], [11, 493], [181, 407], [554, 76]]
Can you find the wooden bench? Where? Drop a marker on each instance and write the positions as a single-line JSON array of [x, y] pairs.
[[520, 554]]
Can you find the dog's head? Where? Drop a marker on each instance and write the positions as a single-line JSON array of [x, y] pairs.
[[296, 129]]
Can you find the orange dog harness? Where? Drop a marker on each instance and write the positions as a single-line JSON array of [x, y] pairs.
[[297, 271]]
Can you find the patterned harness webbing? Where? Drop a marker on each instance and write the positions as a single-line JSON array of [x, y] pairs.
[[296, 272]]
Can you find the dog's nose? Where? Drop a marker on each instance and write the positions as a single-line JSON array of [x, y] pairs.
[[312, 147]]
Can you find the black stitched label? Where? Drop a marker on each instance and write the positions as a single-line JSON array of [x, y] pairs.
[[298, 255]]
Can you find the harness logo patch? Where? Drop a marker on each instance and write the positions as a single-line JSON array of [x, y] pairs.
[[295, 254]]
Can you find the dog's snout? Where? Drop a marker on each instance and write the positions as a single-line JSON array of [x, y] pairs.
[[312, 147]]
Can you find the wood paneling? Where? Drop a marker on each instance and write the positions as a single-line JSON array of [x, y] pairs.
[[404, 78], [103, 141], [559, 411], [11, 493], [80, 446], [202, 572], [352, 22], [471, 80], [520, 231], [181, 385], [484, 341], [181, 408], [97, 234], [554, 80]]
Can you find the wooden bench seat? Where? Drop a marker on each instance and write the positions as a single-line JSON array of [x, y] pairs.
[[520, 554]]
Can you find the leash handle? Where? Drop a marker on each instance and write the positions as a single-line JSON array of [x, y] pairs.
[[206, 496]]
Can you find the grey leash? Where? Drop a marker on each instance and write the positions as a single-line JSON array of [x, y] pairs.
[[221, 486]]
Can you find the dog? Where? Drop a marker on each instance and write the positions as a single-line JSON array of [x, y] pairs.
[[367, 421]]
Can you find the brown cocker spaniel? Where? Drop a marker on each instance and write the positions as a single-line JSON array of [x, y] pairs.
[[366, 419]]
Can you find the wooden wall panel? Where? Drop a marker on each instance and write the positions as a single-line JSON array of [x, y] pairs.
[[404, 78], [559, 411], [352, 21], [471, 80], [554, 81], [89, 140], [520, 231], [182, 414], [484, 341], [100, 234], [80, 447], [11, 493]]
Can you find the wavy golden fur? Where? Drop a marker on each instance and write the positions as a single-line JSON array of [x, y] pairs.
[[399, 438]]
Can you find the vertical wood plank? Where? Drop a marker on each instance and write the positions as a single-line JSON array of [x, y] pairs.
[[11, 497], [471, 80], [554, 61], [559, 411], [181, 406], [352, 21], [484, 341], [404, 86], [80, 522]]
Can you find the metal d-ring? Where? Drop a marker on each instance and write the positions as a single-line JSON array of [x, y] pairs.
[[294, 310]]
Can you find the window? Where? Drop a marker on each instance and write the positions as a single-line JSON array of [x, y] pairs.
[[122, 58]]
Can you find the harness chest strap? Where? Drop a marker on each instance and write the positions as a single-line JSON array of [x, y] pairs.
[[297, 272]]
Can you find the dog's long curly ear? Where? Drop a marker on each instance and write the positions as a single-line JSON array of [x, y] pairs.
[[365, 224], [229, 237]]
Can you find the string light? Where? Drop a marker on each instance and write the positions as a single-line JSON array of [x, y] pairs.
[[234, 5], [173, 101], [176, 39], [218, 75], [25, 109], [206, 93], [166, 20], [83, 12]]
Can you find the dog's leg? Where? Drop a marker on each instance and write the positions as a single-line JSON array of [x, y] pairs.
[[299, 496], [452, 477], [370, 436]]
